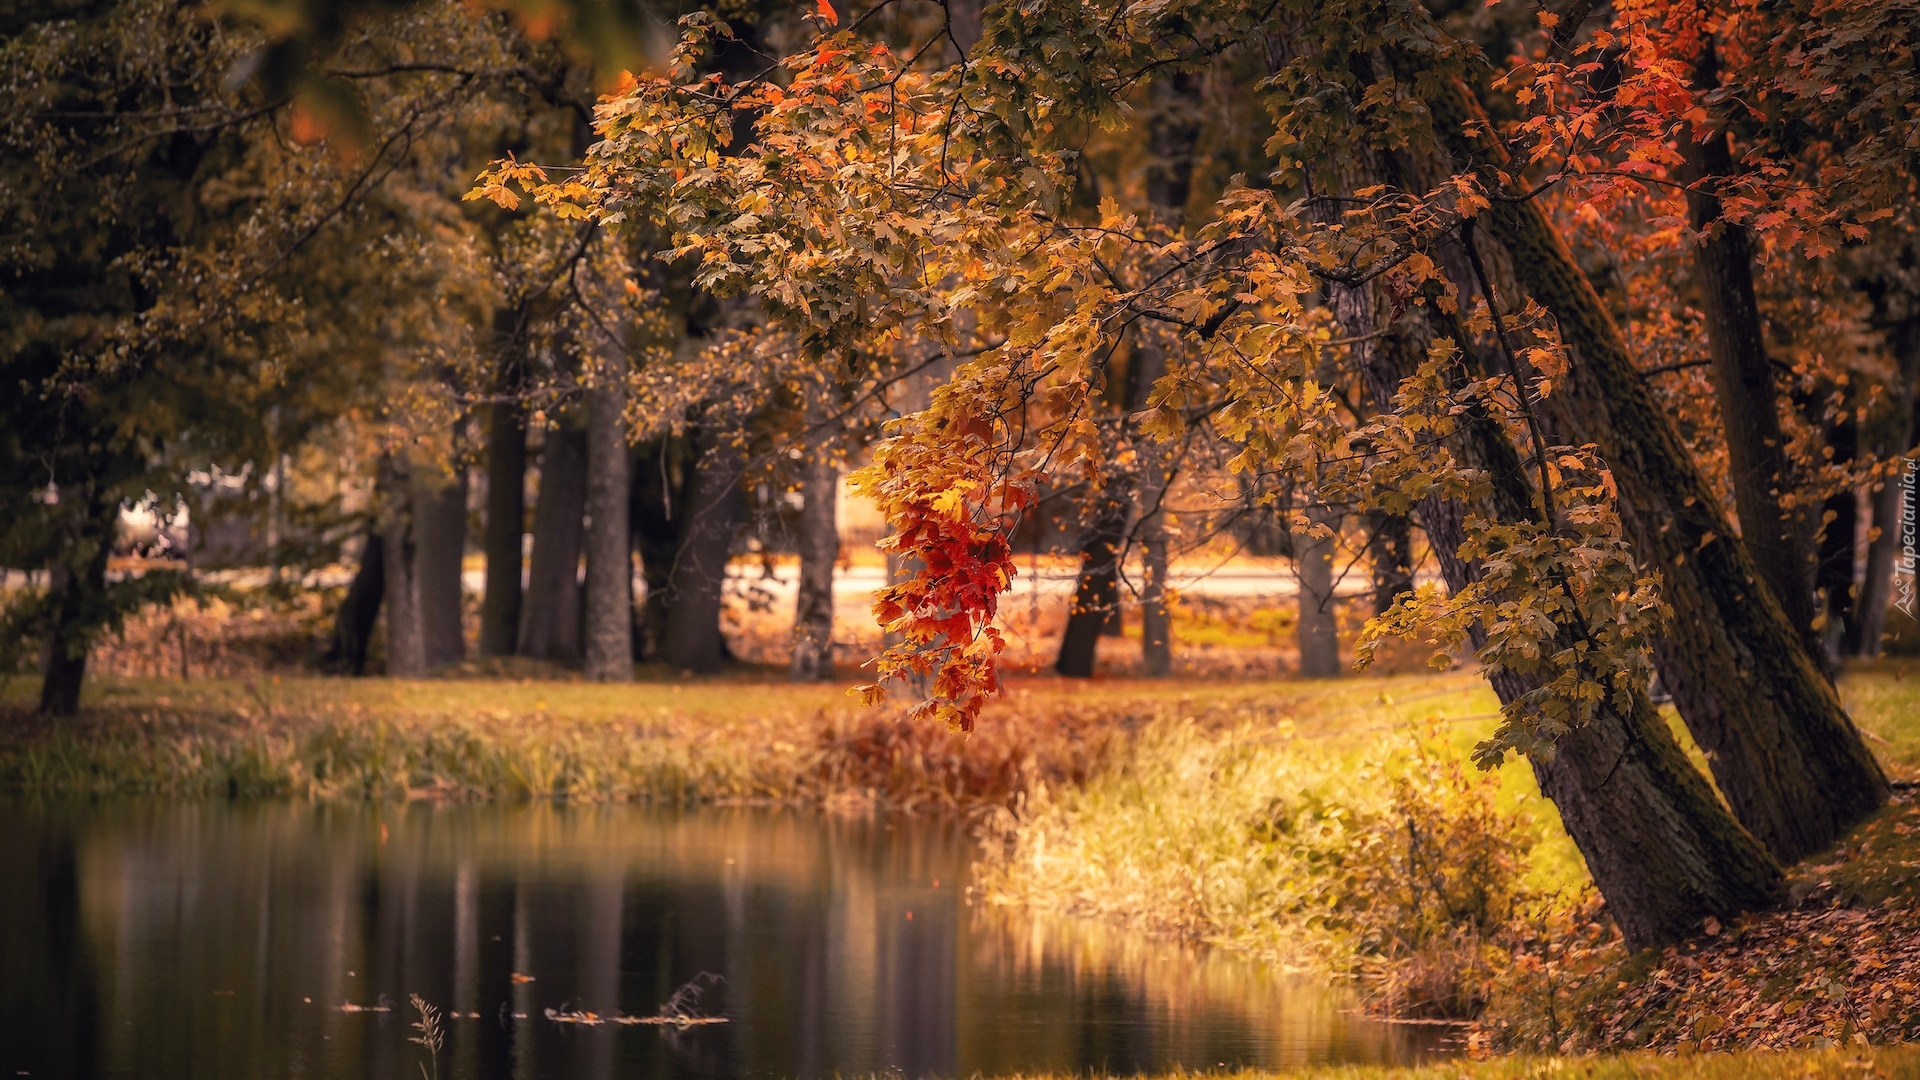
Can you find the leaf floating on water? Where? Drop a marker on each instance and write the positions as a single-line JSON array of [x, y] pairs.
[[519, 978], [350, 1007]]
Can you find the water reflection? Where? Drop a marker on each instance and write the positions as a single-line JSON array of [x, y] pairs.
[[164, 939]]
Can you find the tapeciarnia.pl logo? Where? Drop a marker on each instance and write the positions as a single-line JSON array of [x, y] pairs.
[[1903, 565]]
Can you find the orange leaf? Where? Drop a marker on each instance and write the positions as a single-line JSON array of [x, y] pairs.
[[827, 13]]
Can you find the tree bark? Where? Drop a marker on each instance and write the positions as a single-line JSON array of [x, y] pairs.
[[609, 586], [1156, 617], [77, 593], [506, 520], [1173, 133], [1096, 597], [406, 644], [1788, 759], [1834, 546], [1743, 387], [359, 613], [819, 542], [1392, 557], [692, 640], [550, 617], [1319, 628], [1663, 851], [657, 508], [440, 545]]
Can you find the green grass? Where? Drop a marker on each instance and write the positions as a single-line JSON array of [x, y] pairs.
[[1884, 699]]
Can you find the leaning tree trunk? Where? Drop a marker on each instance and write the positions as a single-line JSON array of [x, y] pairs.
[[1876, 595], [406, 644], [359, 612], [1743, 385], [696, 585], [1787, 757], [609, 587], [506, 516], [1662, 850], [440, 545], [819, 542], [550, 617]]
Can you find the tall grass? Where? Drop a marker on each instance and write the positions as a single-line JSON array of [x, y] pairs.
[[674, 741], [1396, 864]]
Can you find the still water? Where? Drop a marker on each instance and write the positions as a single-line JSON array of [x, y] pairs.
[[170, 939]]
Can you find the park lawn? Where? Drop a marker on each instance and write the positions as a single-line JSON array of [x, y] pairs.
[[749, 735]]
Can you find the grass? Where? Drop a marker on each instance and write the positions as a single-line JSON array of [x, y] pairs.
[[1860, 1063]]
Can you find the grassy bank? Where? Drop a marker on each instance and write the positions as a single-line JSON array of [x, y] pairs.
[[1329, 823], [1366, 847]]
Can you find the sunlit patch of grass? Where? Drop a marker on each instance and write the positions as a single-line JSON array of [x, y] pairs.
[[1884, 698]]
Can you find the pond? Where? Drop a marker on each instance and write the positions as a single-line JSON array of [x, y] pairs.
[[161, 939]]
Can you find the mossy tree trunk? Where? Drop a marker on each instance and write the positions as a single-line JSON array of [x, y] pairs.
[[1785, 754], [1663, 851]]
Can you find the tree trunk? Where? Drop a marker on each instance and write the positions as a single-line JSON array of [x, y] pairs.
[[76, 598], [695, 587], [1834, 547], [1096, 598], [550, 617], [1743, 386], [659, 485], [506, 524], [1173, 132], [609, 588], [1876, 594], [359, 612], [1788, 759], [406, 643], [1319, 628], [1663, 851], [440, 546], [1392, 550], [1156, 617], [819, 541]]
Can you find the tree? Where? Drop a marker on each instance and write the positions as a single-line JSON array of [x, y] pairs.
[[1572, 513]]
